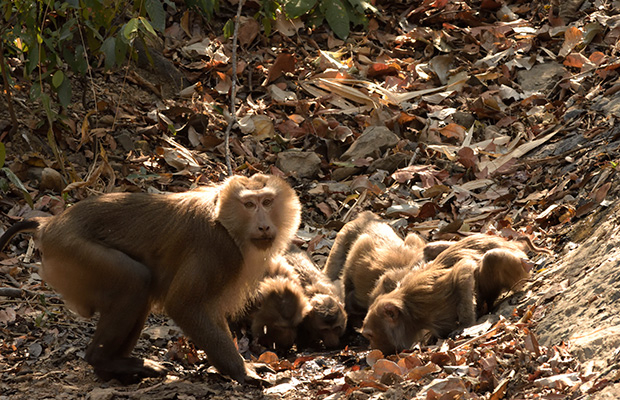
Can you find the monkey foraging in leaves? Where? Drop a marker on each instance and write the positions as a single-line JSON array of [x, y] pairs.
[[479, 243], [195, 254], [443, 295], [344, 241], [364, 249], [430, 299], [326, 321], [280, 307], [296, 303], [378, 250]]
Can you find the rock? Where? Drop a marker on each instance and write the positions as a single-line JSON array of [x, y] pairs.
[[389, 163], [343, 173], [51, 180], [374, 141], [301, 164], [102, 394], [585, 313], [540, 77]]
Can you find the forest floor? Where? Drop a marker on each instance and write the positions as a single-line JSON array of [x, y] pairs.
[[443, 117]]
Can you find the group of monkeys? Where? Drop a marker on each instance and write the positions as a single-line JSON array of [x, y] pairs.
[[395, 292], [224, 252]]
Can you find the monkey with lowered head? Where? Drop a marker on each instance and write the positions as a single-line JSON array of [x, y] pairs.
[[473, 246], [378, 250], [364, 249], [195, 254], [296, 303], [327, 320], [443, 295], [279, 308]]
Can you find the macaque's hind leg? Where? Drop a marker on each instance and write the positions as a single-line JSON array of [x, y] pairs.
[[116, 286]]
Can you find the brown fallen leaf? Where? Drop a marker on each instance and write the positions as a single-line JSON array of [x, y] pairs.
[[283, 63]]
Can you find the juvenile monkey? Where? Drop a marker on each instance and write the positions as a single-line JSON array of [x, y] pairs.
[[387, 282], [195, 254], [296, 303], [479, 242], [446, 293], [280, 307], [344, 241], [375, 252], [435, 300], [500, 270], [327, 319]]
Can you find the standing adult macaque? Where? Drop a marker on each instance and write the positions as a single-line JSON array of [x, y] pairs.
[[327, 320], [443, 295], [195, 254]]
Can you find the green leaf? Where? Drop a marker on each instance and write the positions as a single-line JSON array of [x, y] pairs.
[[267, 26], [121, 50], [356, 17], [363, 6], [108, 48], [17, 182], [155, 11], [171, 4], [297, 8], [337, 17], [2, 154], [315, 19], [229, 29], [58, 78], [64, 93], [147, 25], [131, 29], [47, 106]]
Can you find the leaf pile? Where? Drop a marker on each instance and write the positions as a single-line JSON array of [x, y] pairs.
[[490, 360], [444, 116]]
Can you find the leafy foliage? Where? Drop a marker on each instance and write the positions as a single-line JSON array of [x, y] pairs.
[[339, 14], [59, 39]]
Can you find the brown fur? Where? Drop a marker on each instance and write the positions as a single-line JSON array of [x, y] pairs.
[[374, 252], [195, 254], [500, 270], [326, 321], [437, 300], [441, 296], [344, 241], [280, 307]]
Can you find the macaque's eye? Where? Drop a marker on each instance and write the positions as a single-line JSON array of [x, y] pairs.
[[249, 205], [267, 202]]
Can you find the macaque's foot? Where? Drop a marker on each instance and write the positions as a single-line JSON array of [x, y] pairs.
[[252, 378], [129, 370]]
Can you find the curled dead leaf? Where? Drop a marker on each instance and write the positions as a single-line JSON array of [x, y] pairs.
[[384, 366], [373, 356]]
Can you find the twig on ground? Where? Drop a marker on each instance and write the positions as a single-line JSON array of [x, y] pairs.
[[233, 90]]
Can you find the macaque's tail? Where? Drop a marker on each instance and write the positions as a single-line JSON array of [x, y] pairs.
[[528, 242], [27, 225]]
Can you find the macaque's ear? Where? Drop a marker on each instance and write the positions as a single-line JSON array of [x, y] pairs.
[[391, 312]]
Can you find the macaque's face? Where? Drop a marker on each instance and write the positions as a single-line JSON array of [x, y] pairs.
[[384, 327], [282, 308], [261, 212], [327, 319]]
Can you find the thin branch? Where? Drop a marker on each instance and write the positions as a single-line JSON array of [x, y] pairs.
[[233, 91]]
